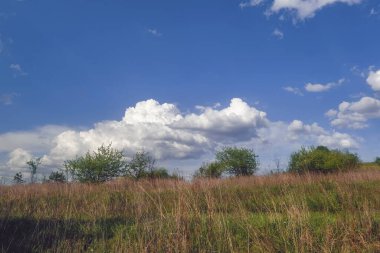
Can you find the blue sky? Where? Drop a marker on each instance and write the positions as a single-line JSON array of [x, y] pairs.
[[67, 67]]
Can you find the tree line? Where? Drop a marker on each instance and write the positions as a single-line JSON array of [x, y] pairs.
[[102, 165], [107, 163]]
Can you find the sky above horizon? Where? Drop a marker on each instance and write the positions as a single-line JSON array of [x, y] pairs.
[[182, 79]]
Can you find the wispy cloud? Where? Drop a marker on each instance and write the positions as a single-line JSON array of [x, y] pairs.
[[278, 34], [302, 9], [293, 90], [17, 70], [250, 3], [317, 87], [154, 32], [373, 12], [307, 8], [7, 99]]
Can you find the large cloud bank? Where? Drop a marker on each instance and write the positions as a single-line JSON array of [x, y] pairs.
[[170, 135]]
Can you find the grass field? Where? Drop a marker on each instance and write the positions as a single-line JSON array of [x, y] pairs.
[[276, 213]]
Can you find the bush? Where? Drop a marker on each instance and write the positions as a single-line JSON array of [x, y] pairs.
[[238, 161], [17, 179], [57, 176], [99, 166], [377, 161], [322, 159], [211, 170], [141, 165]]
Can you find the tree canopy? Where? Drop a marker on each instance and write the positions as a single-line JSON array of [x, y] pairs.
[[98, 166], [238, 161], [33, 165], [322, 159]]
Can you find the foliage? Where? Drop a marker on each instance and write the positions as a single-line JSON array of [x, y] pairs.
[[211, 170], [142, 165], [33, 166], [322, 159], [57, 176], [238, 161], [99, 166], [17, 179]]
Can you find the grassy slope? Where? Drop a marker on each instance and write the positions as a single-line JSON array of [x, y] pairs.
[[278, 213]]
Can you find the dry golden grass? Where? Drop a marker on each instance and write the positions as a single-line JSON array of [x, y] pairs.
[[276, 213]]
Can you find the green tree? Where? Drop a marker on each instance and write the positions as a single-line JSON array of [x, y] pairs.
[[33, 165], [238, 161], [211, 170], [142, 165], [98, 166], [57, 176], [321, 159], [17, 179], [377, 160]]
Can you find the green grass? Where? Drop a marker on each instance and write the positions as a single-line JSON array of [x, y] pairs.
[[278, 213]]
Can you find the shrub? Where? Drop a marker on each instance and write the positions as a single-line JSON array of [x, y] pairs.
[[57, 176], [377, 160], [141, 166], [212, 170], [99, 166], [238, 161], [17, 179], [322, 159]]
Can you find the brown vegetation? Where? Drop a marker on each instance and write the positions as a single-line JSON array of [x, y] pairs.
[[276, 213]]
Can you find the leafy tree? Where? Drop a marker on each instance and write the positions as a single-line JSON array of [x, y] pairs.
[[98, 166], [377, 160], [57, 176], [211, 170], [33, 166], [142, 165], [17, 179], [238, 161], [322, 159]]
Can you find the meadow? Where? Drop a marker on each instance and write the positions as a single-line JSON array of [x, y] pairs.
[[274, 213]]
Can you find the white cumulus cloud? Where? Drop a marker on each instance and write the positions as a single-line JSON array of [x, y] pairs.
[[355, 115], [164, 131], [18, 158], [170, 135], [373, 80], [38, 140]]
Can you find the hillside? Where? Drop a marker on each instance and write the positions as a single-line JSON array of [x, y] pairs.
[[276, 213]]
